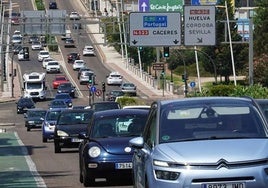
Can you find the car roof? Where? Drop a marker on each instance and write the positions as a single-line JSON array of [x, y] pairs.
[[115, 112]]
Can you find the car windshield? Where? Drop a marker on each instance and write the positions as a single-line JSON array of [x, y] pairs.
[[36, 113], [128, 125], [64, 86], [44, 53], [53, 63], [60, 78], [75, 117], [62, 96], [52, 115], [104, 106], [215, 121], [34, 85]]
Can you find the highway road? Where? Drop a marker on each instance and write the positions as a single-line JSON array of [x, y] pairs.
[[57, 170]]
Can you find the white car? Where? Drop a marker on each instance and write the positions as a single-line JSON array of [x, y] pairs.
[[45, 61], [17, 32], [36, 45], [74, 16], [53, 66], [78, 64], [43, 54], [21, 56], [114, 78], [88, 50]]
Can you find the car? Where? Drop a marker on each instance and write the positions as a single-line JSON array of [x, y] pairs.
[[74, 16], [129, 88], [42, 54], [49, 122], [53, 66], [67, 88], [66, 97], [52, 5], [33, 38], [114, 78], [86, 77], [82, 69], [34, 118], [23, 104], [16, 39], [73, 56], [78, 64], [69, 43], [59, 79], [36, 45], [17, 32], [46, 60], [105, 145], [111, 95], [68, 126], [23, 56], [104, 105], [77, 25], [202, 142], [88, 51], [15, 18], [57, 104]]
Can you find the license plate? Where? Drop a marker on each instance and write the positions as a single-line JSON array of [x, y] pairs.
[[123, 165], [224, 185], [76, 140]]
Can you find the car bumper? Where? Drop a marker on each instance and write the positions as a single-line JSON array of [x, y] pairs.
[[48, 132], [68, 142], [107, 168]]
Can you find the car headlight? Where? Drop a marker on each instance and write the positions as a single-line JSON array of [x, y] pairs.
[[94, 151], [161, 163], [166, 175], [72, 90], [61, 133], [31, 122]]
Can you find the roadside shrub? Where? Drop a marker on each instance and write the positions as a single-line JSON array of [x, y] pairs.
[[125, 101], [40, 4]]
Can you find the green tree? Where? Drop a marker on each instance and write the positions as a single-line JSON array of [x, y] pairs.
[[261, 28], [221, 53]]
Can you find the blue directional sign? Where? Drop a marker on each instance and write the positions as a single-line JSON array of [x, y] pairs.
[[93, 89], [192, 84], [144, 6]]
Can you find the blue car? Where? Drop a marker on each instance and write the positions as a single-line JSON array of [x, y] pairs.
[[49, 124], [104, 153], [202, 143], [58, 104], [66, 97]]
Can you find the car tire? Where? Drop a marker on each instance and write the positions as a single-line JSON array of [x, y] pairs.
[[87, 180], [57, 148], [44, 139], [28, 129]]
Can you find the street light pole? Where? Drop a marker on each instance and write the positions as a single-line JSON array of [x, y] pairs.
[[12, 76]]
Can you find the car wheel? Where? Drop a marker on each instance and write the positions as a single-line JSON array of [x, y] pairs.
[[57, 148], [44, 139], [87, 180], [28, 129]]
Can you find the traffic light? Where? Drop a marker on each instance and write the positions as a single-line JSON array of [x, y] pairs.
[[184, 77], [166, 51], [91, 80], [103, 86]]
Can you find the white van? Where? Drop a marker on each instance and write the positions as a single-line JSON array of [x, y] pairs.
[[66, 35]]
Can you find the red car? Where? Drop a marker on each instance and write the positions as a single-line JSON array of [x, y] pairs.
[[59, 79]]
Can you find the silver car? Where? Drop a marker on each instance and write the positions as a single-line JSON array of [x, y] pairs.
[[211, 142]]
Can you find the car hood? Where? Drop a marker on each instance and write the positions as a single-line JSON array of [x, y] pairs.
[[34, 119], [117, 145], [212, 151], [72, 130], [25, 106]]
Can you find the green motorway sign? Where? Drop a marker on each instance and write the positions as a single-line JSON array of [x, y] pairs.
[[166, 5]]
